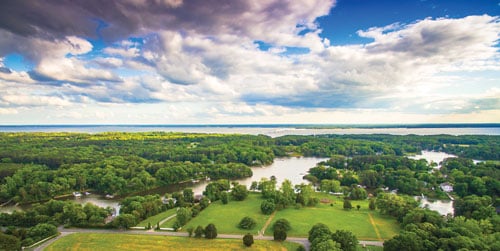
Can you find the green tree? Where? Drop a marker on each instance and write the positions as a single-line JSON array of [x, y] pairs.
[[183, 216], [125, 221], [279, 234], [247, 223], [9, 242], [210, 231], [326, 245], [347, 204], [319, 230], [199, 231], [267, 207], [283, 224], [224, 197], [407, 241], [358, 193], [188, 195], [346, 239], [204, 203], [190, 231], [288, 193], [267, 188], [239, 192], [372, 206], [248, 240]]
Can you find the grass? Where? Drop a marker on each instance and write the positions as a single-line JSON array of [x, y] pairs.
[[337, 218], [170, 223], [157, 218], [125, 242], [226, 217]]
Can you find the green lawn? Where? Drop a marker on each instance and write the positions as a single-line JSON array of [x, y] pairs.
[[157, 218], [337, 218], [226, 217], [170, 223], [126, 242]]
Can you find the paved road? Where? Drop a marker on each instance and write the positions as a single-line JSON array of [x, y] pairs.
[[68, 231]]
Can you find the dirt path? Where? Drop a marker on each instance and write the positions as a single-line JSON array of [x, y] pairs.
[[374, 227], [263, 230]]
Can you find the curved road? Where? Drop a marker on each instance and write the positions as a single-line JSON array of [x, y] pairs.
[[65, 232]]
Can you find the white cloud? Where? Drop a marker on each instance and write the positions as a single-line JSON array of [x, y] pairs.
[[30, 100], [5, 111]]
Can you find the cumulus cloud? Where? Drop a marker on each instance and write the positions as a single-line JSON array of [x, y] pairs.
[[199, 60], [276, 21], [30, 100]]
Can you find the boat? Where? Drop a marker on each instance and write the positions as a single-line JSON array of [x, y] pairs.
[[77, 194]]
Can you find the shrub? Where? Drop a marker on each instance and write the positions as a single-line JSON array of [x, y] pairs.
[[248, 240], [190, 231], [371, 206], [198, 232], [224, 197], [210, 231], [347, 204], [247, 223], [283, 224], [267, 207], [279, 234]]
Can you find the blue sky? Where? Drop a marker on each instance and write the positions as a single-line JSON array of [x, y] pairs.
[[274, 61]]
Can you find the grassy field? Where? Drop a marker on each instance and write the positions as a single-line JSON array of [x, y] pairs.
[[170, 223], [125, 242], [157, 218], [226, 217], [358, 222]]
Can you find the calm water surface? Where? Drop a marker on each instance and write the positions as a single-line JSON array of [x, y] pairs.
[[282, 168], [444, 207], [254, 130]]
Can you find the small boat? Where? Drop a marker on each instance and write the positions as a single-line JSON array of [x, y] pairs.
[[109, 196], [77, 194]]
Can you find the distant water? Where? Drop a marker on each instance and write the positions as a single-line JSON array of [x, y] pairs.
[[270, 130]]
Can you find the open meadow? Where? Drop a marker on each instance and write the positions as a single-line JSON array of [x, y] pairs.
[[226, 217], [365, 224], [131, 242]]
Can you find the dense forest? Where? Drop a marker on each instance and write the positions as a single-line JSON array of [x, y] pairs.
[[36, 167], [39, 166]]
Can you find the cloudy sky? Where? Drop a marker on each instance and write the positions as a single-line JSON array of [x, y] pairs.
[[236, 61]]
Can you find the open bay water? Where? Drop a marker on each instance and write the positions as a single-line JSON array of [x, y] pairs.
[[271, 129]]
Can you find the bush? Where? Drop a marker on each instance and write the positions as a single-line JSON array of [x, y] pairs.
[[190, 231], [210, 231], [347, 204], [224, 197], [9, 242], [184, 214], [248, 240], [199, 231], [267, 207], [279, 234], [239, 192], [283, 224], [247, 223], [346, 239], [372, 206]]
